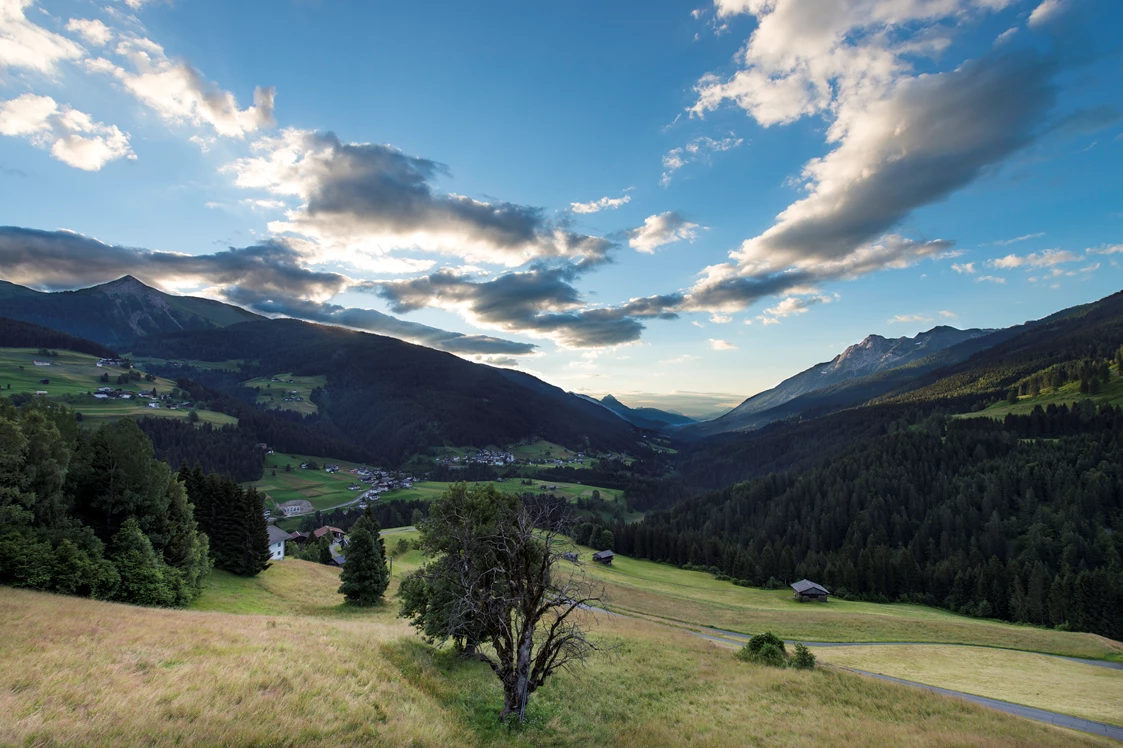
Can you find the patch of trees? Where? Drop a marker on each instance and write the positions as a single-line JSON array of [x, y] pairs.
[[1017, 521], [93, 514], [18, 334], [229, 450], [364, 578], [398, 513], [232, 517]]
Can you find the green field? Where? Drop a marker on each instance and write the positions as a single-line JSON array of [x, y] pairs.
[[1111, 393], [661, 591], [74, 376], [323, 490], [541, 451], [430, 490], [273, 394]]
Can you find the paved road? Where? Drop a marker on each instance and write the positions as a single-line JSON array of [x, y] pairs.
[[731, 638]]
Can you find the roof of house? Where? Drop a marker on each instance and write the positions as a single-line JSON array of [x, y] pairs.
[[803, 586], [297, 534], [325, 530], [339, 560], [603, 554], [277, 535]]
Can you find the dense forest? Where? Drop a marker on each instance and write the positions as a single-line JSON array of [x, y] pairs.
[[93, 513], [17, 334], [230, 450], [1016, 520]]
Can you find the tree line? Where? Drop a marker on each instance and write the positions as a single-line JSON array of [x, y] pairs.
[[1017, 520]]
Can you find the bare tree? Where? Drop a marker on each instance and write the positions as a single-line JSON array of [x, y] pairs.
[[500, 588]]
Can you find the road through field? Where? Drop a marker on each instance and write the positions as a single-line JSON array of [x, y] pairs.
[[734, 639]]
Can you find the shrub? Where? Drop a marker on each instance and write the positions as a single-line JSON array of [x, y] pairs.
[[803, 659], [765, 649]]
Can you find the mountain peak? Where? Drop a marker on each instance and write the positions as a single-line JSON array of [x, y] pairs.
[[125, 283], [610, 400]]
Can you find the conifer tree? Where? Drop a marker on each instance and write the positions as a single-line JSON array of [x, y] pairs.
[[364, 576]]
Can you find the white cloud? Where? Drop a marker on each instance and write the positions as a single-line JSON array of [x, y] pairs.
[[1112, 249], [947, 315], [93, 31], [990, 279], [1006, 35], [1047, 11], [26, 46], [696, 150], [660, 229], [792, 305], [179, 94], [899, 318], [720, 319], [1048, 258], [604, 203], [967, 268], [72, 137], [1016, 239], [721, 345]]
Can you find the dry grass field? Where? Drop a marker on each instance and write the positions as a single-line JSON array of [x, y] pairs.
[[1036, 680], [90, 673]]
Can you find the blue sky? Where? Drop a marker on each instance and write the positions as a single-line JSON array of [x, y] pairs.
[[678, 203]]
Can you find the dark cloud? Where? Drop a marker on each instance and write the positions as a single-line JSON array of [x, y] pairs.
[[541, 301], [266, 278], [362, 192]]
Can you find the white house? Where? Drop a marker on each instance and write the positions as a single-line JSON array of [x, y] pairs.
[[277, 538]]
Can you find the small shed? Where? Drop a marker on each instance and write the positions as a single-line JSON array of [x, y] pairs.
[[570, 556], [807, 590], [604, 557], [338, 560]]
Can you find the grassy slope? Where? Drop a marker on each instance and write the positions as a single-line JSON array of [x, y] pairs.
[[1035, 680], [697, 598], [79, 671], [323, 489], [273, 394], [1068, 394], [73, 375]]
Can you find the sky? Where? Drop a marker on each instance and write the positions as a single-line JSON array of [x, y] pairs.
[[680, 204]]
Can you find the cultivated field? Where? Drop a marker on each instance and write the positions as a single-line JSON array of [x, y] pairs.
[[323, 490], [1036, 680], [276, 660], [273, 394], [73, 376]]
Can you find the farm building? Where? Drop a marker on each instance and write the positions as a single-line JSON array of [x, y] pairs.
[[604, 557], [570, 556], [300, 538], [336, 533], [806, 590], [277, 538], [296, 507], [338, 560]]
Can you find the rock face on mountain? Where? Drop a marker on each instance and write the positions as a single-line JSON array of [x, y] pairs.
[[117, 312], [874, 355]]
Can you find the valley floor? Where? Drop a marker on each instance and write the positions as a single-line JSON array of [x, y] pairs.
[[277, 660]]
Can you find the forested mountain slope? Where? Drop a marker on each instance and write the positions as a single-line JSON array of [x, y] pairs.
[[394, 399], [1018, 520]]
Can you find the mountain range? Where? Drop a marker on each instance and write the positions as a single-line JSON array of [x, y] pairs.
[[853, 376], [650, 419], [117, 312]]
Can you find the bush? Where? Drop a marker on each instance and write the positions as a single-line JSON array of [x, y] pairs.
[[765, 649], [803, 659]]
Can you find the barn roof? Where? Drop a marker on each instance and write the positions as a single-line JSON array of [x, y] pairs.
[[603, 554], [804, 586], [325, 530]]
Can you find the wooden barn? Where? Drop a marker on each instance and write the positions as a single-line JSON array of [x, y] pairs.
[[604, 557], [807, 590]]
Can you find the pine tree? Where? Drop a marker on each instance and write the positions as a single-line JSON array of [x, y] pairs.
[[365, 578]]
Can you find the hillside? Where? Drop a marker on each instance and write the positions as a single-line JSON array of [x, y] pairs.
[[114, 313], [855, 375], [394, 399], [276, 659]]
